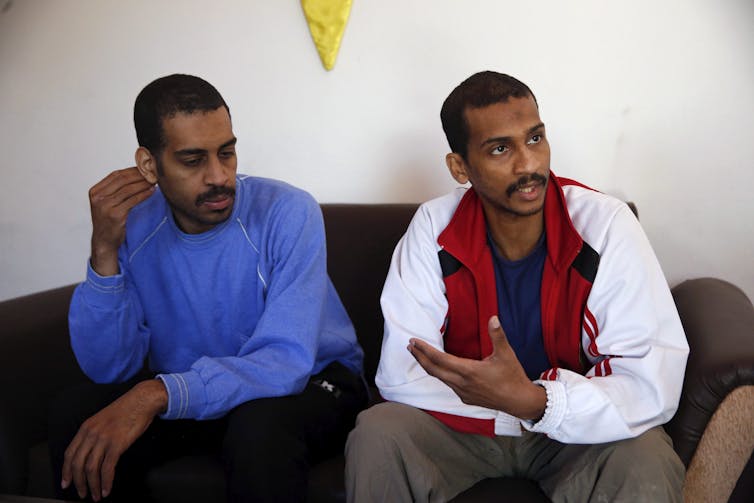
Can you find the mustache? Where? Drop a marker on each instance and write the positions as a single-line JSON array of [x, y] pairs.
[[215, 191], [525, 180]]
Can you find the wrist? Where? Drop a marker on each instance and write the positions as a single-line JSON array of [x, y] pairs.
[[537, 403], [104, 261], [155, 396]]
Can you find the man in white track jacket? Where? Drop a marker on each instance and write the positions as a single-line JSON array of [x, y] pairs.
[[542, 338]]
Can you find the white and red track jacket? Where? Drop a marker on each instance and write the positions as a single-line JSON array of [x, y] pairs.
[[610, 328]]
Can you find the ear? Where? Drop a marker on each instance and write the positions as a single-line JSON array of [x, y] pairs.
[[457, 167], [146, 164]]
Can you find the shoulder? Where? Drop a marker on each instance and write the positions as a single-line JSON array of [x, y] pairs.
[[265, 193], [595, 215], [435, 214], [266, 202]]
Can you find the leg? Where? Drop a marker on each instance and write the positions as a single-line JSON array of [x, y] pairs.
[[400, 453], [635, 470], [270, 443]]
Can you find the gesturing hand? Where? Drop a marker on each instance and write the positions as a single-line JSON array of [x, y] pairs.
[[497, 382], [111, 199], [91, 457]]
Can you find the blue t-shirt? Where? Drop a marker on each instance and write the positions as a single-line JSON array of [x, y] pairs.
[[518, 303]]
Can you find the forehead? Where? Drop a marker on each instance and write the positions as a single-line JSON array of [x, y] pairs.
[[505, 119], [203, 129]]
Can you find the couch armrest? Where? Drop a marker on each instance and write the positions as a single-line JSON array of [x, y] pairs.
[[719, 322], [36, 362]]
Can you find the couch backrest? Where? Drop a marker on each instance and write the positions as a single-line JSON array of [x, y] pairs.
[[360, 243]]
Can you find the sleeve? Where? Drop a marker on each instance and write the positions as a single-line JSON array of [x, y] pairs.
[[278, 357], [414, 306], [633, 337], [106, 323]]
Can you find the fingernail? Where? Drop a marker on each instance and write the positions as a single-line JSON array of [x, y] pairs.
[[64, 484], [494, 322]]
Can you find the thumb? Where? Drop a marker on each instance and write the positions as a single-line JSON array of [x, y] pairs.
[[497, 335]]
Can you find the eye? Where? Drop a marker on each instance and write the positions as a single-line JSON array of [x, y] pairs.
[[227, 154], [191, 161], [500, 149], [535, 139]]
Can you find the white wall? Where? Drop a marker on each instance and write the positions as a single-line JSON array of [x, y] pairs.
[[648, 100]]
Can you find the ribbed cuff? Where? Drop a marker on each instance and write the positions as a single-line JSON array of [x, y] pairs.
[[104, 291], [186, 398], [554, 410]]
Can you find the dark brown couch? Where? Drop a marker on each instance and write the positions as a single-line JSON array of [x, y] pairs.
[[36, 362]]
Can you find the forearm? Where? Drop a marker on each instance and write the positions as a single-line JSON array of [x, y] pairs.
[[107, 333], [590, 410]]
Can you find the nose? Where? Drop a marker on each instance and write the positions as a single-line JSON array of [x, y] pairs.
[[525, 161], [215, 173]]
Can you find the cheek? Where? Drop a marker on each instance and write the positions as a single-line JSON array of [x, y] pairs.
[[545, 157], [183, 192]]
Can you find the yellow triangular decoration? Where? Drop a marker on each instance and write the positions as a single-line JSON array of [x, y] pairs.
[[327, 20]]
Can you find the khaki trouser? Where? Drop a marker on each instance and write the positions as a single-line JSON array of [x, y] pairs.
[[398, 454]]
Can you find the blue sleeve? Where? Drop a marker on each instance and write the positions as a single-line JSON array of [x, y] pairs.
[[106, 324], [279, 356]]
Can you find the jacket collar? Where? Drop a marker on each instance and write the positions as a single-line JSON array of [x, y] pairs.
[[465, 237]]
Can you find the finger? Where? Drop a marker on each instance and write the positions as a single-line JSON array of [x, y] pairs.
[[497, 335], [70, 452], [78, 464], [93, 470], [138, 197], [108, 471], [122, 202], [439, 358], [438, 364], [109, 184], [121, 194]]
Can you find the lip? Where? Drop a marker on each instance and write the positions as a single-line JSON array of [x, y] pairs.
[[218, 204], [534, 190]]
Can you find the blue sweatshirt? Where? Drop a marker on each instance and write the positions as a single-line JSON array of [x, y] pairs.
[[243, 311]]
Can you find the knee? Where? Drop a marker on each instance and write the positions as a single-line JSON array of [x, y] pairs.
[[381, 428], [649, 452], [649, 462], [386, 419], [257, 424]]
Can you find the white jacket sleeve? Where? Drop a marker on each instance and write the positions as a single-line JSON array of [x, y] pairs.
[[632, 336]]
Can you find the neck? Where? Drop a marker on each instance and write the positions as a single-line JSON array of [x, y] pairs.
[[515, 237]]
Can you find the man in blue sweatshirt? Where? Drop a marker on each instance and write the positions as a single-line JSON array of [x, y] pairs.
[[219, 281]]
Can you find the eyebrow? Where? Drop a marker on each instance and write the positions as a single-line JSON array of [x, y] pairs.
[[504, 139], [197, 151]]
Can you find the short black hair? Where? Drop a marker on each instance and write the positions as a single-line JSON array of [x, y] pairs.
[[164, 98], [480, 90]]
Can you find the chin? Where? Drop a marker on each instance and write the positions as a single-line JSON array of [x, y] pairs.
[[522, 212]]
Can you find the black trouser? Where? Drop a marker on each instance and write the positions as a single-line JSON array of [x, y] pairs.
[[266, 445]]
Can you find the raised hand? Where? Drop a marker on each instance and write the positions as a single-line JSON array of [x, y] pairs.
[[92, 455], [111, 199], [497, 382]]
